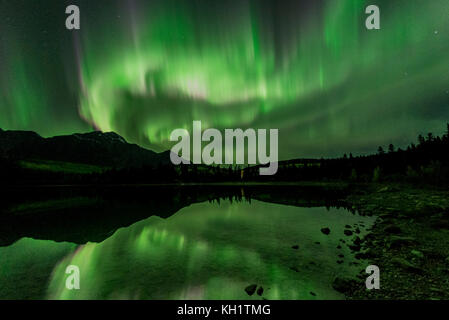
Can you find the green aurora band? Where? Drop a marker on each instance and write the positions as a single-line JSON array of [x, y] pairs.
[[328, 84]]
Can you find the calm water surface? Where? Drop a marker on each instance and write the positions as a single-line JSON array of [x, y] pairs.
[[204, 251]]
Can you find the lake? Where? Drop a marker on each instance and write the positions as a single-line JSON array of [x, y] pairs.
[[210, 249]]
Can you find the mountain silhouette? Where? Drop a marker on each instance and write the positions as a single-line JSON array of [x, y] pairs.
[[96, 148]]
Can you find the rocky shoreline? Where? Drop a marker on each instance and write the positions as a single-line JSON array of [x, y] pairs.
[[409, 242]]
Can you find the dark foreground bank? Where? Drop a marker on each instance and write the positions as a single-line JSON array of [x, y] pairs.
[[409, 242]]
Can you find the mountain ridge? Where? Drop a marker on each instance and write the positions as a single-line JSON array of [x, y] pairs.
[[97, 148]]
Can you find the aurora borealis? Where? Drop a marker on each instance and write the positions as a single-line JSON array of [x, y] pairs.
[[308, 68]]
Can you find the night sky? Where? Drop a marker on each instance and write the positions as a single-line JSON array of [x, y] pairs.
[[309, 68]]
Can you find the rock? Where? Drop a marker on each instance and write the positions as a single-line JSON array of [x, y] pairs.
[[370, 253], [398, 241], [417, 253], [361, 255], [394, 211], [260, 291], [251, 289], [343, 285], [387, 189], [294, 269], [428, 208], [326, 231], [440, 224], [384, 189], [348, 232], [404, 264], [296, 247], [392, 229]]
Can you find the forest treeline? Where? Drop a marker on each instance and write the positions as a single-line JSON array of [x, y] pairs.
[[426, 161]]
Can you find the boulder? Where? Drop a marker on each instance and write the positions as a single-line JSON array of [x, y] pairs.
[[251, 289], [406, 265], [398, 241], [392, 229], [417, 254], [344, 285]]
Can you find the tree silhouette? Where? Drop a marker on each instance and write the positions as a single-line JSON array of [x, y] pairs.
[[421, 140], [380, 150], [391, 148]]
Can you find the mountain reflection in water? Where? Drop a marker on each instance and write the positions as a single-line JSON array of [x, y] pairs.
[[206, 250]]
